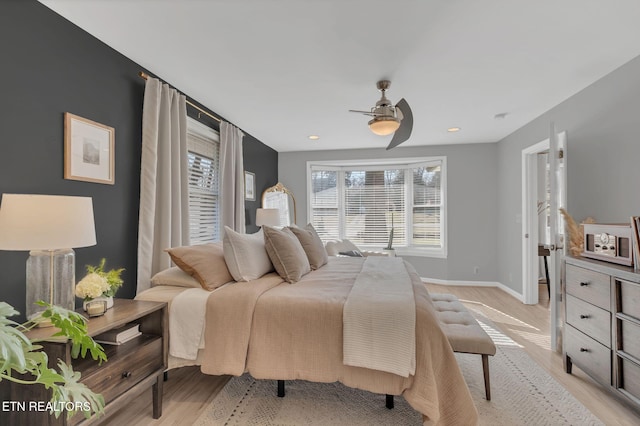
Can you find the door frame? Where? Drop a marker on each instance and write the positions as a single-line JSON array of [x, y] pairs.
[[530, 261]]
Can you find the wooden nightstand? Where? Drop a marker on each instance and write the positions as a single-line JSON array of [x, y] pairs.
[[131, 368]]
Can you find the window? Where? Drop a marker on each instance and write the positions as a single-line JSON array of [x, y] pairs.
[[362, 201], [203, 148]]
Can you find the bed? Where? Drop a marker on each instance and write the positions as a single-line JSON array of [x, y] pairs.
[[276, 330]]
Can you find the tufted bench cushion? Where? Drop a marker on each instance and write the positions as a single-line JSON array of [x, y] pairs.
[[463, 331]]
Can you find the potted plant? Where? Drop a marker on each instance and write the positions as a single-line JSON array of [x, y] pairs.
[[23, 361], [99, 284]]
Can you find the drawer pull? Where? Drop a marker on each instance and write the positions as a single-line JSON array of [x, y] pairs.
[[127, 374], [583, 284], [584, 350], [585, 316]]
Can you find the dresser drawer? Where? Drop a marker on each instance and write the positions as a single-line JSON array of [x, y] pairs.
[[589, 286], [629, 338], [588, 354], [591, 320], [119, 373], [629, 295], [629, 377]]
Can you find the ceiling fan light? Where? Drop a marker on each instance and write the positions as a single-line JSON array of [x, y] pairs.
[[384, 126]]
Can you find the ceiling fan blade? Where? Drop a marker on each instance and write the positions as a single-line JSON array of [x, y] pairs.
[[406, 125], [373, 114]]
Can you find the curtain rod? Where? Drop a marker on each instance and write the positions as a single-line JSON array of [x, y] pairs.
[[200, 110]]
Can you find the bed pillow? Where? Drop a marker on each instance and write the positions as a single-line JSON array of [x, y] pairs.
[[245, 254], [312, 245], [176, 277], [204, 262], [286, 253], [351, 253]]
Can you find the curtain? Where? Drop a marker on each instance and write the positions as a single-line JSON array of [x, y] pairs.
[[231, 177], [164, 198]]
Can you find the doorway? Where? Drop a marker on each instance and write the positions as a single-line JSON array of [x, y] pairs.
[[535, 210], [543, 195]]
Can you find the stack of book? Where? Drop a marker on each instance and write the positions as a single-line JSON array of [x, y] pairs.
[[119, 335]]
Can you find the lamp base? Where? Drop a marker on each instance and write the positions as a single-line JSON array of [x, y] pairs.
[[51, 277]]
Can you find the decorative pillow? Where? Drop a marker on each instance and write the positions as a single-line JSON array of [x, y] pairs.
[[336, 246], [245, 254], [204, 262], [312, 245], [176, 277], [286, 253], [351, 253]]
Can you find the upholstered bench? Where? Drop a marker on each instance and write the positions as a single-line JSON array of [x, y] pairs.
[[464, 333]]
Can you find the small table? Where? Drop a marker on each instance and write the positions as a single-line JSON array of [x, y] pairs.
[[132, 367]]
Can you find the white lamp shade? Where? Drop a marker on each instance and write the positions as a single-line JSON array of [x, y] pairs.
[[384, 126], [269, 217], [46, 222]]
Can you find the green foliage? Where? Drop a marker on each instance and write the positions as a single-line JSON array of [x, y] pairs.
[[20, 355], [74, 326], [112, 276]]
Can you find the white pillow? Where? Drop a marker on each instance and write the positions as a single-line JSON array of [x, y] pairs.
[[176, 277], [245, 255]]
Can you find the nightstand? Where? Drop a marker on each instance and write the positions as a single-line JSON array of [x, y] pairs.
[[132, 367]]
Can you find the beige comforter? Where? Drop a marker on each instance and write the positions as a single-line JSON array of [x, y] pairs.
[[276, 330]]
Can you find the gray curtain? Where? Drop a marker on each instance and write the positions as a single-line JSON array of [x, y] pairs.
[[164, 197], [231, 177]]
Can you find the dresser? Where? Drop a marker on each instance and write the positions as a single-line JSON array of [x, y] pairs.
[[132, 367], [602, 324]]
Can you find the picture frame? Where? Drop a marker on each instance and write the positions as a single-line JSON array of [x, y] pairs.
[[249, 186], [89, 154]]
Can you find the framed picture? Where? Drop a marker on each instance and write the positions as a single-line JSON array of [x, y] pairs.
[[249, 186], [88, 150]]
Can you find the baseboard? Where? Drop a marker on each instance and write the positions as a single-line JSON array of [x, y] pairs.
[[460, 283]]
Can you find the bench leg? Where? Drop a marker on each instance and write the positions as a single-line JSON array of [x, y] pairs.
[[281, 388], [485, 370], [389, 402]]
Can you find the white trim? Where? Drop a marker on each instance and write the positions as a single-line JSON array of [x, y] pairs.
[[458, 283], [387, 162], [530, 221]]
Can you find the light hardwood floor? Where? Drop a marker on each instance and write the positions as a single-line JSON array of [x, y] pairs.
[[188, 392]]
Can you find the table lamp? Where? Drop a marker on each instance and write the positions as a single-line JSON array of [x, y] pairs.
[[269, 217], [49, 226]]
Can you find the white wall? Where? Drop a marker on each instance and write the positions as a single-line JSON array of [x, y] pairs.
[[603, 161], [471, 194]]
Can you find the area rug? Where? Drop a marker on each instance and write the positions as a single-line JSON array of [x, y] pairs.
[[522, 394]]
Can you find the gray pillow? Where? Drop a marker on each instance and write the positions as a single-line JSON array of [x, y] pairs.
[[312, 245], [351, 253], [286, 253]]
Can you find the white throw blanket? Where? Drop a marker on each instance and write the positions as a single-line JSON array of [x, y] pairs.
[[379, 318], [186, 323]]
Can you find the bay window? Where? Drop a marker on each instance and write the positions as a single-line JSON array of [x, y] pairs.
[[363, 200]]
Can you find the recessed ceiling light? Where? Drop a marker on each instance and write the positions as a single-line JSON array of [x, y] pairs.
[[453, 129], [314, 137]]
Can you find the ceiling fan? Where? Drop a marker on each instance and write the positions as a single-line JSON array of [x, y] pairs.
[[388, 119]]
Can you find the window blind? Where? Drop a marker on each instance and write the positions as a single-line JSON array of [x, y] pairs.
[[203, 183], [363, 203]]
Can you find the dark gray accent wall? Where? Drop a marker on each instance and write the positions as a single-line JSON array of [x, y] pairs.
[[262, 161], [50, 66], [603, 149]]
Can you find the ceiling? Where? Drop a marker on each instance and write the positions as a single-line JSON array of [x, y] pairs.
[[286, 69]]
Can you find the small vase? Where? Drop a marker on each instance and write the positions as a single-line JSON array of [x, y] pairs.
[[108, 299]]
